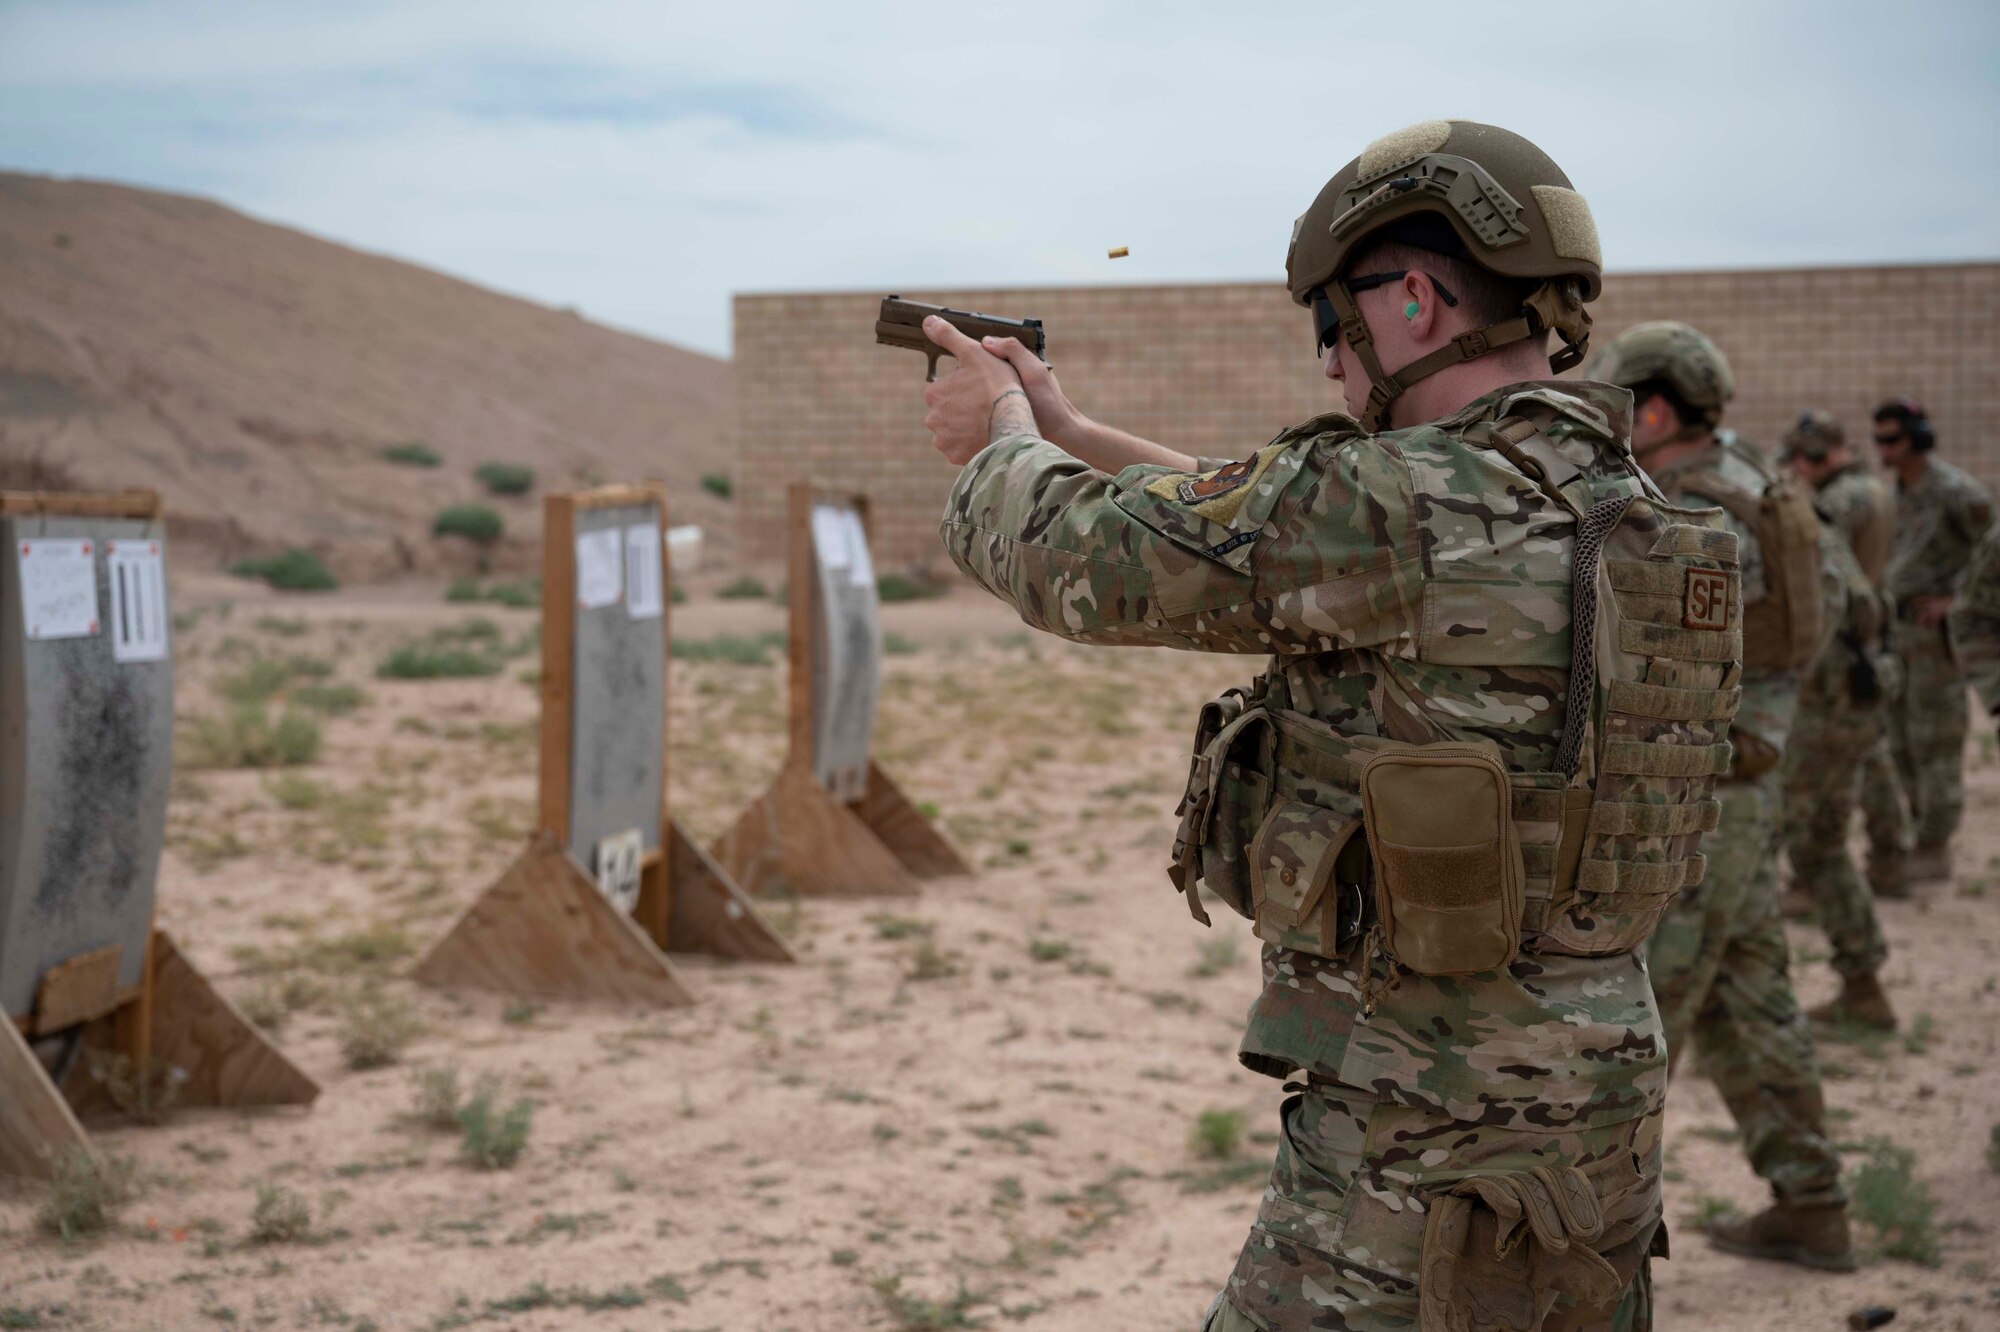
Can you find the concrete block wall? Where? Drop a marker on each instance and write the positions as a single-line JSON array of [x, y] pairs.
[[1220, 368]]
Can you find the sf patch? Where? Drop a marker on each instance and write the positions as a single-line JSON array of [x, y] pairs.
[[1705, 605]]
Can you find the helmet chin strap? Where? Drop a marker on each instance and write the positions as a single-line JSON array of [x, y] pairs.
[[1699, 430], [1547, 308]]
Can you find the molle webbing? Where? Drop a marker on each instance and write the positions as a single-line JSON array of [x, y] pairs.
[[1670, 704]]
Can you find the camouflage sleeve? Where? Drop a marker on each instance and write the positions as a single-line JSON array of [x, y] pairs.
[[1971, 513], [1299, 547], [1975, 623]]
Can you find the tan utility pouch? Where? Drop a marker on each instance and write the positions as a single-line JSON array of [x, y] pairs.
[[1448, 872], [1307, 870]]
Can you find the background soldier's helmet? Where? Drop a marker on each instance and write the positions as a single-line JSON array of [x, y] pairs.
[[1670, 353], [1814, 435], [1473, 191]]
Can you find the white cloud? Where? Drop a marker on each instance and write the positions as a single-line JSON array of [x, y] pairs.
[[642, 161]]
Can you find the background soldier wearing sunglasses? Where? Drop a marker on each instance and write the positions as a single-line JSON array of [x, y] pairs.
[[1411, 577], [1720, 963], [1941, 515], [1843, 716]]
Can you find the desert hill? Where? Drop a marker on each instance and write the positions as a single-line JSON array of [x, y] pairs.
[[254, 375]]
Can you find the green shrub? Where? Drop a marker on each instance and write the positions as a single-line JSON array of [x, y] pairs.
[[520, 595], [493, 1138], [432, 660], [293, 570], [86, 1192], [732, 648], [335, 700], [375, 1027], [246, 737], [1216, 1134], [901, 587], [717, 484], [506, 478], [434, 1097], [415, 453], [281, 1216], [747, 588], [1888, 1196], [475, 522], [281, 626]]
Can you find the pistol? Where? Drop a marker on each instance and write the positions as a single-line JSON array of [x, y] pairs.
[[902, 325]]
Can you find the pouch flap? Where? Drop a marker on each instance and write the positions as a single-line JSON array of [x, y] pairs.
[[1292, 860]]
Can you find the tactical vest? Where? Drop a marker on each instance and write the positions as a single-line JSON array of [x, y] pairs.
[[1785, 630], [1438, 854]]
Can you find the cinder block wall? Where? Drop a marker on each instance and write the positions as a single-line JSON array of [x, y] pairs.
[[1220, 368]]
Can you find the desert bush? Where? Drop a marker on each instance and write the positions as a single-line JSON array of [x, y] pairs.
[[475, 522], [1888, 1196], [375, 1028], [506, 478], [493, 1138], [293, 570], [434, 1095], [433, 660], [335, 700], [280, 1216], [280, 625], [1216, 1134], [733, 648], [86, 1192], [902, 587], [522, 594], [717, 484], [413, 453], [146, 1093], [747, 588], [246, 737]]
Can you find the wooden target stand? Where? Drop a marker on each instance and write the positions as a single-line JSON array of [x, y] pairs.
[[544, 929], [172, 1017], [799, 836]]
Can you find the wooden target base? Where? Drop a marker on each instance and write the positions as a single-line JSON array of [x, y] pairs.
[[544, 931], [798, 838], [222, 1057]]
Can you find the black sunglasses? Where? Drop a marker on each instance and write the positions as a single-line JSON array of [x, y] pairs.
[[1326, 323], [1884, 441]]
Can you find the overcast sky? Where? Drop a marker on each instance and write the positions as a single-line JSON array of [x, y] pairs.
[[644, 161]]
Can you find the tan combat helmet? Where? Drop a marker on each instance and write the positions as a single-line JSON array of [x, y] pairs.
[[1671, 353], [1814, 435], [1505, 205]]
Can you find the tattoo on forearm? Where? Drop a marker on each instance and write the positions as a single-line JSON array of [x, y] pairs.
[[1011, 416]]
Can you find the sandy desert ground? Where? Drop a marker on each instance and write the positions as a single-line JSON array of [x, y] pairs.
[[972, 1109]]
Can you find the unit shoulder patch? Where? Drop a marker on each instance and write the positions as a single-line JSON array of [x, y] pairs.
[[1217, 495]]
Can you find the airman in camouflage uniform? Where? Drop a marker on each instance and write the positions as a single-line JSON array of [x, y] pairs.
[[1387, 567], [1941, 515], [1842, 717], [1975, 623], [1719, 960]]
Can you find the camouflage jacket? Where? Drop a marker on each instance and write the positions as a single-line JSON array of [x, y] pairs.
[[1861, 508], [1770, 698], [1359, 565], [1858, 509], [1975, 622], [1938, 522]]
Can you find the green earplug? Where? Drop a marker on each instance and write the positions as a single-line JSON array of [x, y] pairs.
[[1410, 310]]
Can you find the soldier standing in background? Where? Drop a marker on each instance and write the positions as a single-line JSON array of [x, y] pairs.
[[1843, 710], [1474, 1141], [1719, 959], [1975, 623], [1941, 515]]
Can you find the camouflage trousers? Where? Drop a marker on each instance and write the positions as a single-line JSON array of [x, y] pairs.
[[1927, 729], [1339, 1241], [1824, 760], [1720, 967]]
